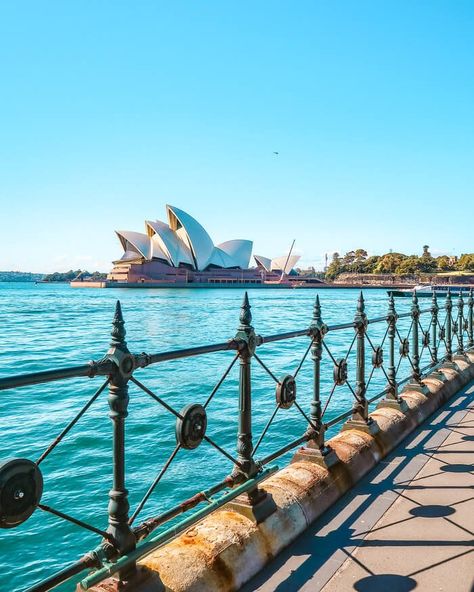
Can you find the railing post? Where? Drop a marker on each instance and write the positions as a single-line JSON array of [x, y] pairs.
[[470, 320], [415, 344], [449, 334], [256, 504], [392, 399], [247, 339], [460, 350], [318, 330], [360, 411], [316, 451], [415, 382], [434, 338], [392, 331], [119, 354], [434, 329]]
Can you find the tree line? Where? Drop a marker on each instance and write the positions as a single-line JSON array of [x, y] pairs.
[[68, 276], [358, 261]]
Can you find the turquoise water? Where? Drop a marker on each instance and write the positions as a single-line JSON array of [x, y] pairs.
[[51, 326]]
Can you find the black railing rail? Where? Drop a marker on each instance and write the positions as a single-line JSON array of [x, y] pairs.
[[436, 331]]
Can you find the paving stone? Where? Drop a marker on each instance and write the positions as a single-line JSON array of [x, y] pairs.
[[408, 524]]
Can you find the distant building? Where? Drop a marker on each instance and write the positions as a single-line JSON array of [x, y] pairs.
[[183, 242], [181, 251]]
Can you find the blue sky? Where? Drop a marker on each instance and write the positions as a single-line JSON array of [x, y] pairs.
[[109, 110]]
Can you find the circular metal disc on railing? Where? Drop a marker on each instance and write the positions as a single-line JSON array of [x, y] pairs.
[[377, 357], [286, 392], [191, 429], [21, 487], [340, 371], [404, 348]]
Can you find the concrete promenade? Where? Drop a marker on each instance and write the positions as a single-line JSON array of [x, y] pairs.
[[409, 524]]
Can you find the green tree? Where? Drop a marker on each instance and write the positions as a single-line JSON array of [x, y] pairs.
[[360, 254], [466, 262], [443, 263], [426, 253], [335, 267], [389, 262], [408, 266], [349, 258]]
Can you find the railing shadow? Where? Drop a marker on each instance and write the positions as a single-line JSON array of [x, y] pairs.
[[316, 556]]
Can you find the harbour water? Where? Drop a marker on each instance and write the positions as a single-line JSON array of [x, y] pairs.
[[50, 326]]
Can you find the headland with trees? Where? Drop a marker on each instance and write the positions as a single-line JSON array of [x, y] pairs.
[[358, 262]]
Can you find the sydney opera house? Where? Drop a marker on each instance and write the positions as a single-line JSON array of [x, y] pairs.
[[181, 252]]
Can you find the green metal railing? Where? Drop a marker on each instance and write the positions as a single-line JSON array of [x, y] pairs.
[[447, 332]]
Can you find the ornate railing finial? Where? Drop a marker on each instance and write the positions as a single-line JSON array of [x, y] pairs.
[[245, 314], [118, 329], [360, 318], [317, 310]]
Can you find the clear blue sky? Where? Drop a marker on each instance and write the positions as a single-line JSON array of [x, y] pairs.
[[110, 109]]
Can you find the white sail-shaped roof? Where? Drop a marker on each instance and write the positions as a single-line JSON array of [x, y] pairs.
[[239, 250], [284, 263], [220, 258], [135, 241], [193, 234], [130, 256], [157, 250], [176, 251], [265, 262], [278, 263]]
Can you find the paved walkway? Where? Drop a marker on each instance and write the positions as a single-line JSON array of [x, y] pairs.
[[408, 525]]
